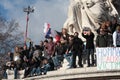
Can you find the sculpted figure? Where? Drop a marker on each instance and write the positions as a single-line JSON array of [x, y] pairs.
[[88, 13]]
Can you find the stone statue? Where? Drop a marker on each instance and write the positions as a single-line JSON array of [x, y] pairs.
[[88, 13]]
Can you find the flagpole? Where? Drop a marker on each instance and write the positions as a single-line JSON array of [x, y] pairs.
[[28, 10]]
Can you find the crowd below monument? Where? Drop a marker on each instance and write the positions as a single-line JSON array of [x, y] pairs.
[[48, 55]]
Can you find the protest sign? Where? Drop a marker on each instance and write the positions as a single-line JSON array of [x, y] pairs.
[[108, 58]]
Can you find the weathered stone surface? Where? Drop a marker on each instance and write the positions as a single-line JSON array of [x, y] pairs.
[[75, 73], [11, 74], [65, 73]]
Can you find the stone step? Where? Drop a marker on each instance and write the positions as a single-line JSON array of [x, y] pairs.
[[21, 73], [65, 73], [91, 72]]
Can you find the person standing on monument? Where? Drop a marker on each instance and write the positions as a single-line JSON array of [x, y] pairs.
[[64, 39], [116, 37], [68, 55], [77, 46], [104, 39], [89, 36]]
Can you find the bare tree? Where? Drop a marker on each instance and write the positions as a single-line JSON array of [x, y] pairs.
[[10, 35]]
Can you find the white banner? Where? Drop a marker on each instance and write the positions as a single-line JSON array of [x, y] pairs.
[[108, 58]]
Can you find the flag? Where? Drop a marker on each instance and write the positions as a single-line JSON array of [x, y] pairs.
[[46, 27], [51, 33], [48, 34], [56, 35], [47, 30]]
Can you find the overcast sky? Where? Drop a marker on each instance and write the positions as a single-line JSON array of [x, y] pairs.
[[51, 11]]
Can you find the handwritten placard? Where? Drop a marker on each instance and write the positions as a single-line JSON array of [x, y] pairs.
[[108, 58]]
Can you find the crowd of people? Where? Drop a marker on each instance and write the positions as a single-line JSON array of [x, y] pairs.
[[50, 55]]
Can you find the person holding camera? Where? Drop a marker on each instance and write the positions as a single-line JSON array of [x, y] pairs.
[[89, 36]]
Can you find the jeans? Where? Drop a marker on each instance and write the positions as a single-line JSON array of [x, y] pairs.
[[15, 73], [57, 60], [38, 71], [68, 57], [33, 71], [44, 69], [90, 52], [4, 74]]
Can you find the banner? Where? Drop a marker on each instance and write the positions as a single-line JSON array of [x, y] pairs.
[[51, 33], [108, 58]]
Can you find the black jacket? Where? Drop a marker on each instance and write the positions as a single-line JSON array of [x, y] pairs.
[[77, 44], [89, 41], [59, 50]]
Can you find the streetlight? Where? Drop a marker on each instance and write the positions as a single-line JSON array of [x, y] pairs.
[[28, 10]]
